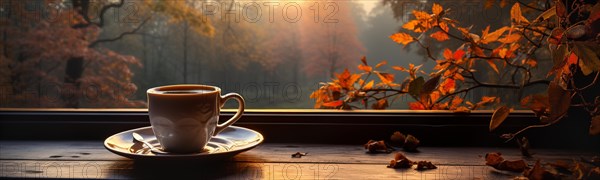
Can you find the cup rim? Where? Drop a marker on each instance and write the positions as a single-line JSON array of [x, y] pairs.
[[211, 89]]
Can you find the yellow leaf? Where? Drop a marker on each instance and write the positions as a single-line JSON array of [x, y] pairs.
[[491, 37], [369, 85], [437, 9], [516, 15], [511, 38], [502, 52], [386, 78], [402, 38]]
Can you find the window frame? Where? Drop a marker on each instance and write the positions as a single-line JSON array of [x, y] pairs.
[[278, 125]]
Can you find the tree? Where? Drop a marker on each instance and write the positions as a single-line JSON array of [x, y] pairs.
[[64, 44], [331, 42], [510, 51]]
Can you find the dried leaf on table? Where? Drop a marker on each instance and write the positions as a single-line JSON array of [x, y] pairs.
[[299, 155], [400, 162], [397, 139], [539, 172], [496, 160], [595, 161], [594, 173], [425, 165], [411, 143], [493, 159], [377, 146]]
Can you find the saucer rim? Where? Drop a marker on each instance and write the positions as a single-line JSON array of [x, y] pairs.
[[134, 156]]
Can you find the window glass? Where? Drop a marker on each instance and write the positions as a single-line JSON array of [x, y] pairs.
[[89, 54]]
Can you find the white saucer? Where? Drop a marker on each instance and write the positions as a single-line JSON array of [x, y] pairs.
[[228, 143]]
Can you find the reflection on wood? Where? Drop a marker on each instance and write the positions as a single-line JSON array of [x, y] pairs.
[[88, 159]]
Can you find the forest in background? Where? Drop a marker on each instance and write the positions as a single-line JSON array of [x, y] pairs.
[[273, 63]]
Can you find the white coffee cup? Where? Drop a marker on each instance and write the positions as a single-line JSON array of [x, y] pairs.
[[185, 117]]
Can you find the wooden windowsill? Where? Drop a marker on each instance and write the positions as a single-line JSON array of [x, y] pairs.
[[89, 159]]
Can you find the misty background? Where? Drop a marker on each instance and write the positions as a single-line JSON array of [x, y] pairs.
[[275, 53]]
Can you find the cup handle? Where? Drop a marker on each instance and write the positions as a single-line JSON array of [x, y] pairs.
[[238, 114]]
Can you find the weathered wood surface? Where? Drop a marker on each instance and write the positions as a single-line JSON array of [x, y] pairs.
[[89, 159]]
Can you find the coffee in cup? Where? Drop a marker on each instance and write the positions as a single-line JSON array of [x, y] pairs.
[[185, 117]]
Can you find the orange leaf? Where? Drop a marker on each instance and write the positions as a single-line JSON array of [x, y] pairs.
[[381, 104], [458, 54], [502, 52], [416, 106], [515, 14], [572, 59], [447, 53], [493, 65], [347, 80], [556, 35], [455, 102], [344, 75], [402, 38], [434, 96], [447, 86], [462, 109], [411, 25], [440, 36], [381, 64], [369, 85], [421, 14], [333, 103], [437, 9], [458, 76], [530, 62], [485, 31], [365, 68], [386, 78], [488, 99], [399, 68], [510, 38]]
